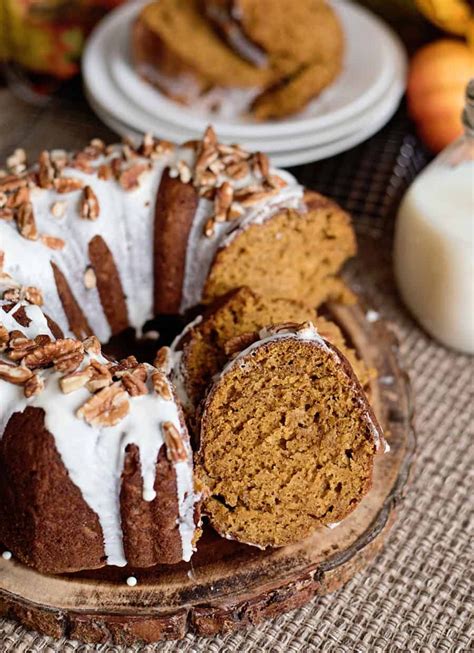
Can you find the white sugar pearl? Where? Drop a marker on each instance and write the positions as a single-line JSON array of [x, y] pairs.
[[132, 581], [7, 555]]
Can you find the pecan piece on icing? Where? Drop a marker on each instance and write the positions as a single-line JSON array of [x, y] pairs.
[[106, 408], [134, 381], [129, 178], [33, 295], [161, 386], [53, 242], [65, 354], [162, 360], [45, 171], [67, 184], [15, 374], [25, 220], [223, 201], [238, 343], [92, 345], [90, 208], [33, 386], [175, 449], [75, 381], [100, 376]]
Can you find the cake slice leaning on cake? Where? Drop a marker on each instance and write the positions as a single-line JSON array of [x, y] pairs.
[[287, 439], [95, 461]]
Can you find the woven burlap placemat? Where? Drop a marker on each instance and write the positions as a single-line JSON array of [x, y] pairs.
[[417, 594]]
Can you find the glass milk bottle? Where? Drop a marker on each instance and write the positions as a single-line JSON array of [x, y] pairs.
[[434, 242]]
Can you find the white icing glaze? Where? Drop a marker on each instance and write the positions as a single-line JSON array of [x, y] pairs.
[[94, 456]]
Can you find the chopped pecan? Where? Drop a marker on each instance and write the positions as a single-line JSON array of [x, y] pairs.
[[3, 200], [235, 211], [134, 381], [90, 208], [209, 228], [12, 295], [175, 449], [14, 373], [207, 178], [128, 152], [59, 159], [254, 197], [238, 170], [130, 178], [53, 242], [82, 162], [148, 143], [12, 182], [92, 345], [4, 337], [7, 214], [67, 184], [46, 170], [19, 197], [58, 209], [106, 408], [17, 160], [184, 172], [162, 360], [222, 201], [104, 171], [98, 145], [33, 386], [206, 157], [65, 354], [240, 342], [118, 369], [26, 221], [261, 164], [209, 137], [161, 386], [75, 381], [33, 295], [100, 376], [275, 181]]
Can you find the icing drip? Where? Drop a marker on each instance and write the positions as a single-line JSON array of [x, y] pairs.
[[94, 455]]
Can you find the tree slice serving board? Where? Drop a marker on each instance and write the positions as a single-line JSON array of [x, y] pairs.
[[230, 585]]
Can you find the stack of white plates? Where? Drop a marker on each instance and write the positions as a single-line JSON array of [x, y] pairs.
[[355, 106]]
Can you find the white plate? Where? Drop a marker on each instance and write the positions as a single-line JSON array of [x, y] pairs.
[[290, 157], [367, 73]]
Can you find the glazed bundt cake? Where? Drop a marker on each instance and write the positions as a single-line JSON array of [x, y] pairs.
[[95, 462], [265, 56], [115, 235], [287, 439], [200, 352]]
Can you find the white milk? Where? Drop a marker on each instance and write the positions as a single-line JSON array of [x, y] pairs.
[[434, 253]]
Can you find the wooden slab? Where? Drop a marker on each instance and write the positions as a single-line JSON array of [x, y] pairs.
[[229, 585]]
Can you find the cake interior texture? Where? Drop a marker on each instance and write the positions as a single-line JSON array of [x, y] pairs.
[[286, 445]]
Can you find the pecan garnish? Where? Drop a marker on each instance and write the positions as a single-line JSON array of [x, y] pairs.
[[92, 345], [162, 360], [98, 145], [19, 346], [238, 343], [46, 170], [65, 354], [58, 209], [90, 208], [130, 178], [67, 184], [17, 161], [4, 337], [75, 381], [222, 201], [161, 386], [118, 369], [82, 162], [26, 221], [100, 376], [251, 198], [106, 408], [238, 170], [19, 197], [175, 449], [33, 295], [14, 373], [235, 211], [261, 164], [148, 143], [209, 228], [33, 386], [275, 181], [12, 182], [134, 382], [207, 178], [6, 214], [184, 172], [53, 242], [104, 172]]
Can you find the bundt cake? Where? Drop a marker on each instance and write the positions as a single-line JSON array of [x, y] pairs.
[[266, 56], [95, 462], [115, 235], [287, 439], [200, 352]]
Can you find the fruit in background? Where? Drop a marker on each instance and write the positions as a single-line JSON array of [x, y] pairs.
[[437, 79], [449, 15]]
